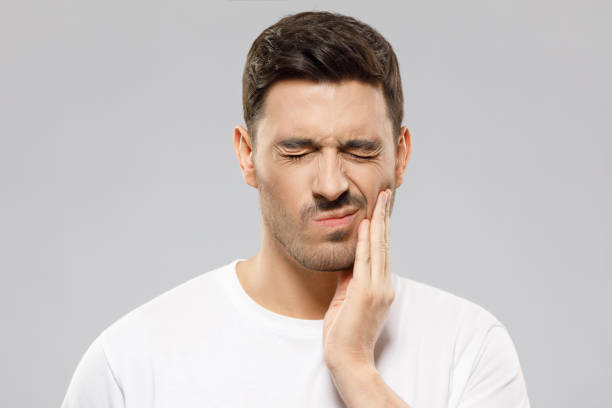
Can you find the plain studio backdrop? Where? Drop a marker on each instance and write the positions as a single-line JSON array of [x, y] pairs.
[[119, 180]]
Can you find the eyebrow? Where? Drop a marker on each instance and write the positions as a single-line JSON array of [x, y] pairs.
[[358, 144]]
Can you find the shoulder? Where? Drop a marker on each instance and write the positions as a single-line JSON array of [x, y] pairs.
[[166, 318], [440, 306], [124, 354], [451, 325], [466, 337]]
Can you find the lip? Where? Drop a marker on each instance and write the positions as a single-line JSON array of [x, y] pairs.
[[338, 220]]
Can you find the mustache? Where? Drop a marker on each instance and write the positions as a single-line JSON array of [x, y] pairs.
[[344, 201]]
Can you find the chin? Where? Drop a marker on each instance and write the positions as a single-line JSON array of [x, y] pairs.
[[329, 257]]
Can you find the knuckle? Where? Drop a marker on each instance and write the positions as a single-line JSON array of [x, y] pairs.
[[391, 296]]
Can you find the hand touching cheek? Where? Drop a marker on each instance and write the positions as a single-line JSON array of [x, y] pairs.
[[363, 296]]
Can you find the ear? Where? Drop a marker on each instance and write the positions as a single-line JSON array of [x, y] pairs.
[[404, 147], [244, 154]]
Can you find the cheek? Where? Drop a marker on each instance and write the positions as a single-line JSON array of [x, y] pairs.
[[371, 183], [287, 185], [283, 193]]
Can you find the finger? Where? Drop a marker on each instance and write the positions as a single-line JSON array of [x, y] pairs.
[[387, 237], [361, 269], [377, 237]]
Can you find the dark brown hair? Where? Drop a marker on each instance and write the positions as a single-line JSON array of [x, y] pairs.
[[323, 47]]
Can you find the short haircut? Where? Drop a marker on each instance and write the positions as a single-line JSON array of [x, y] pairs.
[[323, 47]]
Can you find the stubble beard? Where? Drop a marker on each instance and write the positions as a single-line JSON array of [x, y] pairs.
[[334, 252]]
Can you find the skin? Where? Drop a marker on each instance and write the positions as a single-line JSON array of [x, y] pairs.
[[308, 271]]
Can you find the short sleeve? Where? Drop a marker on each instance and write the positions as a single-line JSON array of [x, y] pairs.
[[93, 384], [496, 379]]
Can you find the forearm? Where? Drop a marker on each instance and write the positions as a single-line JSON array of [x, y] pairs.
[[365, 387]]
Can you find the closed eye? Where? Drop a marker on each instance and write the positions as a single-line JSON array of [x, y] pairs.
[[293, 156], [299, 156], [362, 157]]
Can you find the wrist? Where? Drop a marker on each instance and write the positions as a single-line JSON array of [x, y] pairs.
[[340, 362], [356, 383]]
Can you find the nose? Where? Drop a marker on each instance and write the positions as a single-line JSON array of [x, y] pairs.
[[330, 180]]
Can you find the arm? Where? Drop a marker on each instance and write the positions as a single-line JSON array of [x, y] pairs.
[[496, 378], [364, 387], [93, 383]]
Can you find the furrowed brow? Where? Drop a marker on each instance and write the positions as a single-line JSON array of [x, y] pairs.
[[352, 144], [297, 143], [361, 144]]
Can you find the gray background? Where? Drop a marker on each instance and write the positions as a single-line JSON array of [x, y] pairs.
[[119, 181]]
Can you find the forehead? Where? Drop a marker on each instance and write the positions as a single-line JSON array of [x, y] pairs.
[[324, 111]]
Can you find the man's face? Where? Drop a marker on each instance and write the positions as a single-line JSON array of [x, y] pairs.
[[345, 140]]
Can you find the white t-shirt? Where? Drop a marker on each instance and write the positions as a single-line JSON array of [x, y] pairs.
[[207, 343]]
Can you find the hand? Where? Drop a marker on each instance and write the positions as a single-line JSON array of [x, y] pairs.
[[363, 296]]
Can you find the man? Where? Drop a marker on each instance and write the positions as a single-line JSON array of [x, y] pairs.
[[316, 318]]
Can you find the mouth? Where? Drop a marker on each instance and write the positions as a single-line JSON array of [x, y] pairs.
[[336, 222]]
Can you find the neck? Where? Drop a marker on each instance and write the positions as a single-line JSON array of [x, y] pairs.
[[277, 282]]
